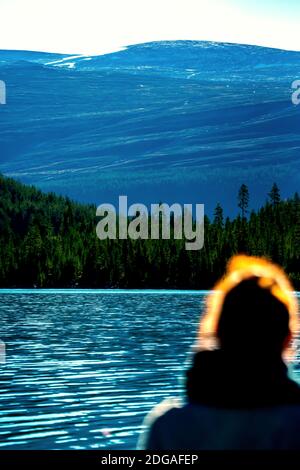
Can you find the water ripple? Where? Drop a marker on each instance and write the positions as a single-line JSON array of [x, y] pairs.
[[83, 370]]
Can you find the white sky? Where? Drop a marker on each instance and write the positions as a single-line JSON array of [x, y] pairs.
[[99, 26]]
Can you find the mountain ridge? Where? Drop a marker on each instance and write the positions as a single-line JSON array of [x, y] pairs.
[[153, 123]]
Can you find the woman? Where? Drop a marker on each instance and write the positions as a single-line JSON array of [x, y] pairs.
[[238, 391]]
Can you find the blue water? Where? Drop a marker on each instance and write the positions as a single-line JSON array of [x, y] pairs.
[[84, 367]]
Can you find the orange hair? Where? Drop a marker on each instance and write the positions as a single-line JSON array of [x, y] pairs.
[[241, 268]]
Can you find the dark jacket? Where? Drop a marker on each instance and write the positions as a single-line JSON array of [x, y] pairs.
[[232, 403]]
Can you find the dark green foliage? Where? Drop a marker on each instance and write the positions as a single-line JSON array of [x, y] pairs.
[[243, 199], [274, 195], [218, 216], [50, 241]]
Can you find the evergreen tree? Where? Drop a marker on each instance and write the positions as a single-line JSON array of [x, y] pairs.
[[243, 199], [274, 195], [218, 216]]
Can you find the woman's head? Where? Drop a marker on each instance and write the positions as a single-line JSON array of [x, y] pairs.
[[252, 309]]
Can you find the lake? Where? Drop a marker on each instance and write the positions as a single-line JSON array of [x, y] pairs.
[[83, 367]]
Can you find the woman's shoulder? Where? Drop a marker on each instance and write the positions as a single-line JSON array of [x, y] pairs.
[[161, 411]]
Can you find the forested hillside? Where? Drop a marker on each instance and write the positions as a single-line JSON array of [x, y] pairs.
[[50, 241]]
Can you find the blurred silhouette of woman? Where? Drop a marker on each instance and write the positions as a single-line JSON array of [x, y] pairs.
[[239, 394]]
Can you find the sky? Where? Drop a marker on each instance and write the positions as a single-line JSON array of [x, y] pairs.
[[102, 26]]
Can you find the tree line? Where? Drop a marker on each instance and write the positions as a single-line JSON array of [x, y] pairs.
[[49, 241]]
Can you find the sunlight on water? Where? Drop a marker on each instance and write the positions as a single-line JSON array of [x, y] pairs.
[[83, 370]]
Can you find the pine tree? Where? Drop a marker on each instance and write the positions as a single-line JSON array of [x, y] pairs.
[[218, 216], [274, 195], [243, 200]]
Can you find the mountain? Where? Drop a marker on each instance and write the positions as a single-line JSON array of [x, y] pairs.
[[181, 121]]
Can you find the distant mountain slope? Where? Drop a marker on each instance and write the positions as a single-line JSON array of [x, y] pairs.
[[9, 57], [178, 121]]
